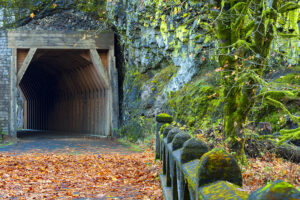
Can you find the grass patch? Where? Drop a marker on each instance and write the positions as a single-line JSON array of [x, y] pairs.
[[6, 144], [132, 146], [141, 145]]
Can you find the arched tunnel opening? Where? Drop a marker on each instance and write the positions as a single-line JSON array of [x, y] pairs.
[[63, 92]]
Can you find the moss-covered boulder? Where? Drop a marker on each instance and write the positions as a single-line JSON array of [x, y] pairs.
[[193, 149], [217, 165], [167, 130], [164, 118], [172, 134], [277, 190], [222, 190], [179, 140]]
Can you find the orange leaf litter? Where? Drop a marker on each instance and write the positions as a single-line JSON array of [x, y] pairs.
[[63, 176], [111, 176]]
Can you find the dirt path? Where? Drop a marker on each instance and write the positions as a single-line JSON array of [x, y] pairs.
[[56, 143]]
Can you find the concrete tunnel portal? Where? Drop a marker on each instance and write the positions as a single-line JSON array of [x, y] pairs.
[[63, 92], [68, 84]]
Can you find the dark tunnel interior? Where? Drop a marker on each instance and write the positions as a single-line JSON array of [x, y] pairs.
[[62, 91]]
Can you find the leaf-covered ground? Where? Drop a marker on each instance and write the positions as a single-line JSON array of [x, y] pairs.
[[63, 176], [261, 171], [111, 176]]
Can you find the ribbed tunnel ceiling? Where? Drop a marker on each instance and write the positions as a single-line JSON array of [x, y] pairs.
[[63, 92]]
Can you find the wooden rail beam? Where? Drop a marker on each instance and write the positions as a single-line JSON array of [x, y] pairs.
[[26, 63], [60, 40], [99, 67]]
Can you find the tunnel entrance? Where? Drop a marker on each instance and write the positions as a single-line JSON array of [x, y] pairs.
[[67, 84], [63, 92]]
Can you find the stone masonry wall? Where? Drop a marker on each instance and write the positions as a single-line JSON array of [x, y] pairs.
[[5, 57]]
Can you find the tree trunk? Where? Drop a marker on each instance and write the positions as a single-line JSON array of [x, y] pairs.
[[240, 95]]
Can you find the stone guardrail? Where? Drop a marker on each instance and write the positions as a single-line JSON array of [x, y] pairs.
[[192, 171]]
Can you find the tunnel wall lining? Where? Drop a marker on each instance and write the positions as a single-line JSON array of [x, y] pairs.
[[30, 42]]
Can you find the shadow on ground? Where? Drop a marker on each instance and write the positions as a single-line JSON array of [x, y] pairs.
[[45, 142]]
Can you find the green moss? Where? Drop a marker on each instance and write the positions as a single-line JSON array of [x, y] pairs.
[[222, 190], [193, 149], [166, 131], [179, 140], [190, 173], [292, 78], [161, 136], [182, 33], [280, 105], [218, 165], [162, 78], [164, 118], [275, 190], [162, 128], [281, 187], [172, 133], [197, 104], [277, 94], [164, 29], [291, 134], [268, 113], [273, 106], [136, 126]]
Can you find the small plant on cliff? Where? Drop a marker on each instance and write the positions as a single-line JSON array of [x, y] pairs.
[[98, 6], [246, 31]]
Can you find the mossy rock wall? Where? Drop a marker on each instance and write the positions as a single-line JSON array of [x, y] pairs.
[[164, 48], [170, 56]]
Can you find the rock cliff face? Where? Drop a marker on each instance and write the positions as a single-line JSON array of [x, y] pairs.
[[164, 45], [157, 33], [169, 61]]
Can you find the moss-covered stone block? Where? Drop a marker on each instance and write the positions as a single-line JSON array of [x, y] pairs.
[[221, 190], [217, 165], [179, 140], [172, 134], [162, 128], [190, 174], [166, 130], [193, 149], [164, 118], [277, 190]]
